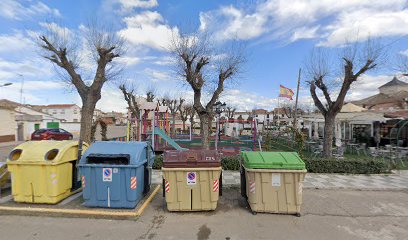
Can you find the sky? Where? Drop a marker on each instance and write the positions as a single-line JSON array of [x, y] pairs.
[[279, 37]]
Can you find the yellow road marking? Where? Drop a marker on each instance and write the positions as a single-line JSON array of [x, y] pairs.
[[86, 212]]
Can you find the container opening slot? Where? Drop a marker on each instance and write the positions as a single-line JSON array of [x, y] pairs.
[[15, 154], [116, 159], [50, 155]]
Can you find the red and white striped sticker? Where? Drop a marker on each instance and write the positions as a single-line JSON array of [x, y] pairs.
[[166, 186], [83, 181], [216, 185], [133, 183], [251, 186]]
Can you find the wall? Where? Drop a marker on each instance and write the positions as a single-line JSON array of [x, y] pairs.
[[72, 127], [393, 89], [7, 126], [72, 114]]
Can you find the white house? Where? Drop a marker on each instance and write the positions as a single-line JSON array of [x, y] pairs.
[[66, 112], [26, 120]]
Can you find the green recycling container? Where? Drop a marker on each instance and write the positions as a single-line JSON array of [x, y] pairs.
[[273, 181]]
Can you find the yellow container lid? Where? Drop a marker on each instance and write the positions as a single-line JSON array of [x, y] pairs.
[[45, 152]]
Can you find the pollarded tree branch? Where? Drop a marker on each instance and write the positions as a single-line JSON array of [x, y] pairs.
[[316, 99]]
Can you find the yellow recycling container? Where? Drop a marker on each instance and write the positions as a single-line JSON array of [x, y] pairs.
[[191, 180], [42, 171], [273, 181], [4, 174]]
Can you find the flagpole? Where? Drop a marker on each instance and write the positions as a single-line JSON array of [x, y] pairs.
[[278, 113], [296, 103]]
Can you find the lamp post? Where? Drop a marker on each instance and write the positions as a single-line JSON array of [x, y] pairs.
[[6, 84], [218, 109]]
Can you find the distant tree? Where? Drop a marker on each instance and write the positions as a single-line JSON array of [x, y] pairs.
[[190, 111], [133, 105], [197, 66], [61, 49], [173, 105], [184, 112], [356, 60], [230, 111]]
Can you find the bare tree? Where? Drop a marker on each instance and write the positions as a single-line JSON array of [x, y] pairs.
[[189, 109], [230, 111], [150, 94], [173, 105], [105, 46], [204, 73], [133, 105], [184, 112], [356, 60]]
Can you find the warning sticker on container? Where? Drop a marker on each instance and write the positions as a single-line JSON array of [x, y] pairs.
[[107, 174], [191, 178], [276, 180]]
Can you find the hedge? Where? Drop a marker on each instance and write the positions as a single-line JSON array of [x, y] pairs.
[[158, 162], [228, 163], [350, 166], [316, 165]]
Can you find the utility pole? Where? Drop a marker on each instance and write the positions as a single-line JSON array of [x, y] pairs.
[[297, 97]]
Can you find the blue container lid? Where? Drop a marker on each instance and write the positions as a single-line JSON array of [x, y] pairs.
[[134, 150]]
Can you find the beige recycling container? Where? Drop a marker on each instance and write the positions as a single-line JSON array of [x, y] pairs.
[[272, 182], [191, 180]]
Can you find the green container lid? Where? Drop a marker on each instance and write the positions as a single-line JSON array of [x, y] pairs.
[[273, 160]]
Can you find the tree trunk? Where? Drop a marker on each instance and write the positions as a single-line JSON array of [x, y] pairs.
[[173, 130], [205, 131], [328, 134], [88, 107], [184, 126]]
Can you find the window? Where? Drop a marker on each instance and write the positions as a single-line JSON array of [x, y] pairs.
[[54, 111], [75, 120], [63, 111], [75, 111], [267, 115]]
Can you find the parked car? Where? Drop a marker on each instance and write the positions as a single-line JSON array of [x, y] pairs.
[[51, 134]]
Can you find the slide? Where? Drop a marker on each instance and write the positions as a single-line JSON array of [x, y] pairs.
[[168, 139]]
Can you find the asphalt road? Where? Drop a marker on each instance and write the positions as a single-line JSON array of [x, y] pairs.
[[327, 214]]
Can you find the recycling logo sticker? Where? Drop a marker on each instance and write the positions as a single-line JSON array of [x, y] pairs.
[[191, 178]]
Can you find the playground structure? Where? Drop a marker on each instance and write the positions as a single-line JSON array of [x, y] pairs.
[[155, 124]]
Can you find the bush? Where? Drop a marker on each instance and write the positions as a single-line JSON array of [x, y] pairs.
[[231, 162], [351, 166], [158, 162]]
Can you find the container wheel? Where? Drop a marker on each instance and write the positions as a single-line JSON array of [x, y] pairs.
[[298, 214]]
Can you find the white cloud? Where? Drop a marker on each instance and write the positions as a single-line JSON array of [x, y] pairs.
[[112, 100], [148, 29], [16, 42], [156, 75], [131, 4], [405, 52], [367, 86], [62, 32], [331, 21], [128, 61], [16, 10], [246, 101], [10, 70]]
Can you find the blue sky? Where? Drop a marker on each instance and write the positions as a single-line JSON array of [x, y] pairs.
[[279, 36]]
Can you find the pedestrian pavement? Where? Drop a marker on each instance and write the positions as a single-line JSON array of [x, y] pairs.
[[396, 181]]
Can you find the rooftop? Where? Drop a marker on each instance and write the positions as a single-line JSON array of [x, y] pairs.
[[394, 82]]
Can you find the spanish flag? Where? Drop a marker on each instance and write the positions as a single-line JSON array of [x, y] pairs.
[[285, 92]]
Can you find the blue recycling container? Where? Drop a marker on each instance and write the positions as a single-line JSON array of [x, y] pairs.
[[116, 174]]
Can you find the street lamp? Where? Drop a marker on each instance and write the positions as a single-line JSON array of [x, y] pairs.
[[6, 84], [218, 109]]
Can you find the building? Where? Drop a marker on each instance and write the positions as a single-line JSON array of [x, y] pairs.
[[8, 124], [392, 97], [26, 120], [66, 112]]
